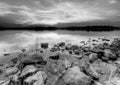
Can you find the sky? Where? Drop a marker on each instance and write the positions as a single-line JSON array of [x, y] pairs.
[[52, 12], [14, 41]]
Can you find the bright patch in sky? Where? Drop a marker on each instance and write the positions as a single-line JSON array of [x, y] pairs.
[[63, 11]]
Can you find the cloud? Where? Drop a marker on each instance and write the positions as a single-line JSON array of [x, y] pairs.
[[63, 12]]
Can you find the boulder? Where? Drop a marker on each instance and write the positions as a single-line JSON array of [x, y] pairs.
[[4, 82], [39, 78], [55, 57], [28, 69], [104, 70], [74, 75], [113, 81], [11, 70], [44, 45]]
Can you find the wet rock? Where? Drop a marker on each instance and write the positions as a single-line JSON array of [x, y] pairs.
[[39, 78], [22, 56], [55, 57], [44, 45], [68, 46], [36, 57], [60, 67], [67, 63], [28, 69], [109, 55], [11, 70], [92, 57], [51, 80], [14, 60], [1, 71], [61, 44], [113, 81], [31, 62], [4, 82], [60, 81], [74, 74], [104, 70]]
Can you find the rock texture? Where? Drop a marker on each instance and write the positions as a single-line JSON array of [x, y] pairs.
[[64, 65]]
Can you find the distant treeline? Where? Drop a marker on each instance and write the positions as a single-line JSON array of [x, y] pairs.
[[42, 28]]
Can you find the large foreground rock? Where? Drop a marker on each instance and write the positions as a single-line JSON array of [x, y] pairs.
[[28, 69], [38, 78], [74, 75]]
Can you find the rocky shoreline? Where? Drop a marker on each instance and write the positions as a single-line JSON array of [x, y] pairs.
[[65, 64]]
